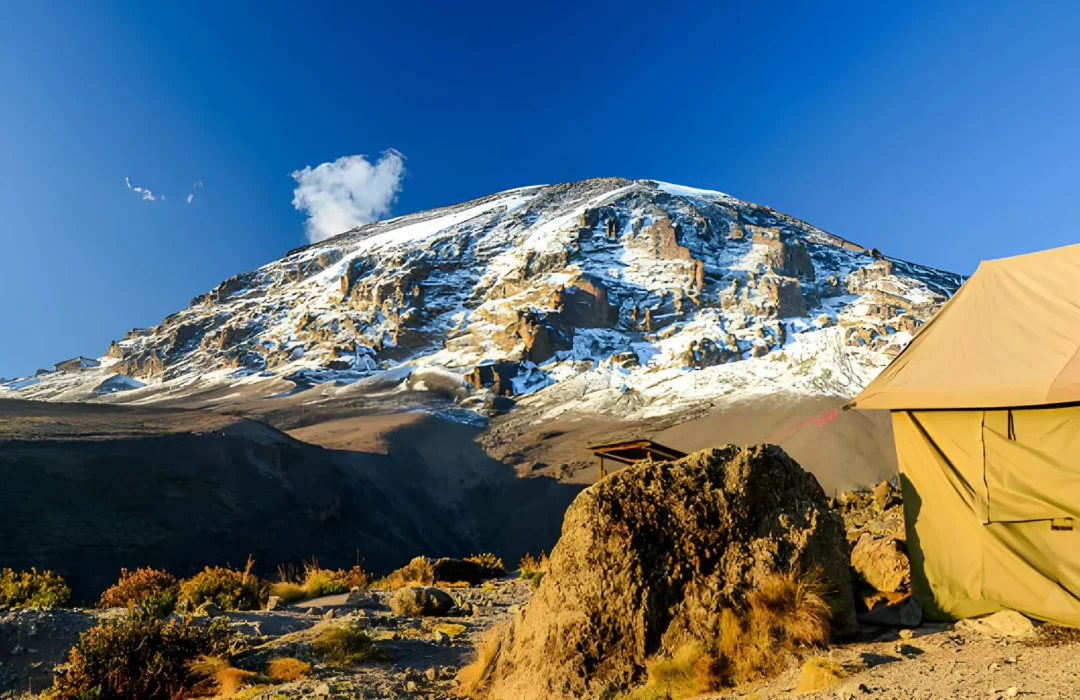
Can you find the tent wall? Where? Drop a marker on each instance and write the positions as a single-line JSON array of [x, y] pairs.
[[988, 500]]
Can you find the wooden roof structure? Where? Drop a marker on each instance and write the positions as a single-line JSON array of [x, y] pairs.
[[634, 451]]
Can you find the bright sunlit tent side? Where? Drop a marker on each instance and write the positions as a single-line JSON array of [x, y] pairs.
[[985, 405]]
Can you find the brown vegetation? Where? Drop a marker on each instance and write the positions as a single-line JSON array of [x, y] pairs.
[[345, 645], [287, 669], [155, 590], [138, 656], [418, 572], [227, 588]]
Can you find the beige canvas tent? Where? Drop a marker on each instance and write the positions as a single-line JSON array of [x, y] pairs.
[[985, 404]]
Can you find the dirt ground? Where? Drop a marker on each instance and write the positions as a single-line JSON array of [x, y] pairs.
[[940, 661]]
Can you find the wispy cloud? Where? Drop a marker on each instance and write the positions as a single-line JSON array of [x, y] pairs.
[[147, 195], [194, 189], [347, 193]]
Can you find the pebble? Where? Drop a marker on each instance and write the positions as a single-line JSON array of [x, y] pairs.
[[906, 634]]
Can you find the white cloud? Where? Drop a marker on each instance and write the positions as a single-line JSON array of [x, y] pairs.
[[147, 195], [347, 193], [194, 188]]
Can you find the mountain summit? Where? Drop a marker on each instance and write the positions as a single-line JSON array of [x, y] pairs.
[[627, 297]]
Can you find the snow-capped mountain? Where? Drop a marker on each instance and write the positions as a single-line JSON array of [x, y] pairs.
[[630, 297]]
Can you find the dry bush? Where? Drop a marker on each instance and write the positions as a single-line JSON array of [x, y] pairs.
[[288, 592], [139, 656], [491, 566], [227, 588], [475, 677], [287, 669], [319, 582], [154, 590], [29, 589], [418, 572], [344, 644], [530, 566], [785, 612], [221, 680], [1051, 635]]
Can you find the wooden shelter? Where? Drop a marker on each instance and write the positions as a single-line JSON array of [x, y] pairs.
[[634, 451]]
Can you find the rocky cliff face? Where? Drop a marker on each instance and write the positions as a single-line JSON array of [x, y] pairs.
[[635, 287]]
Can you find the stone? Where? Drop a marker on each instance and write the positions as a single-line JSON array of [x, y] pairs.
[[881, 562], [883, 495], [441, 637], [906, 634], [359, 598], [329, 614], [651, 556], [906, 612], [1004, 624], [430, 674], [315, 611], [275, 603], [208, 609], [416, 601], [411, 687]]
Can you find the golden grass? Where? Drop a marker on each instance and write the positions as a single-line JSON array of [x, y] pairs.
[[287, 669], [475, 677], [288, 592], [785, 612]]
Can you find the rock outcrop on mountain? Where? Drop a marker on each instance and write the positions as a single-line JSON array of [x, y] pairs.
[[669, 292], [651, 556]]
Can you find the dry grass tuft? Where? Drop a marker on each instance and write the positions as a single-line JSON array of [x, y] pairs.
[[287, 669], [288, 592], [418, 572], [476, 676], [785, 612], [346, 645]]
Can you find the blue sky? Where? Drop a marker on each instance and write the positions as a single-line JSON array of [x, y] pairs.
[[942, 133]]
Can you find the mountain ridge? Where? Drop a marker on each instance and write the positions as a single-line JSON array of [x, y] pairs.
[[658, 287]]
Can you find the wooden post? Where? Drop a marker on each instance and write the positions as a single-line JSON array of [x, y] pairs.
[[600, 459]]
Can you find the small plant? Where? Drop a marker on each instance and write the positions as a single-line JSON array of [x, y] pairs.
[[476, 676], [227, 588], [344, 644], [491, 566], [418, 572], [287, 669], [30, 589], [139, 656], [156, 591], [531, 568]]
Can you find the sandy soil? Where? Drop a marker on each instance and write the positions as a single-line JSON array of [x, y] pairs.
[[942, 662]]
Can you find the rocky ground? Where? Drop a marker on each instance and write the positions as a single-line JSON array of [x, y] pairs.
[[424, 660]]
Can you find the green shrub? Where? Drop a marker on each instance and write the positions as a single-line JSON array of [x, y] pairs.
[[138, 656], [227, 588], [156, 591], [344, 644], [491, 566], [530, 567], [29, 589]]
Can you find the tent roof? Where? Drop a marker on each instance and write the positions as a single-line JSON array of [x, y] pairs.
[[1009, 337]]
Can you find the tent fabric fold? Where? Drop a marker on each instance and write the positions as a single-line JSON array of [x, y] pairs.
[[985, 404]]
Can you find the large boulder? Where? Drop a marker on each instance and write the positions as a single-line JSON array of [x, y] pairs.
[[649, 558], [454, 570]]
